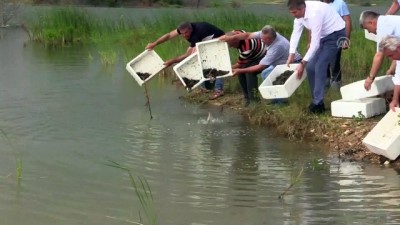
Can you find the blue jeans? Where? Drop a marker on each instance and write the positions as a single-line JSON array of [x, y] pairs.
[[317, 67], [218, 86]]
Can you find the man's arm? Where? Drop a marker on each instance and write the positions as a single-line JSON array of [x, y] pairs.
[[376, 64], [395, 100], [294, 40], [162, 39], [177, 59], [251, 69], [393, 8], [239, 36], [347, 21]]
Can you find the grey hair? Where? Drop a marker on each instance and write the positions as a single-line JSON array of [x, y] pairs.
[[389, 42], [269, 30], [367, 16]]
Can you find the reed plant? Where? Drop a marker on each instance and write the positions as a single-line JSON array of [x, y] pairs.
[[143, 192]]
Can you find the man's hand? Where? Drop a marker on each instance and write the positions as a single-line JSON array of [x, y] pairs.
[[390, 71], [394, 103], [169, 62], [300, 70], [290, 59], [150, 46], [235, 72], [368, 82], [345, 44], [223, 38]]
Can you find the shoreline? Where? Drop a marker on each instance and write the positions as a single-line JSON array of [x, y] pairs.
[[340, 135]]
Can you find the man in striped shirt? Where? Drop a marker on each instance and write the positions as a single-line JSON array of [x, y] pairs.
[[251, 51], [277, 52]]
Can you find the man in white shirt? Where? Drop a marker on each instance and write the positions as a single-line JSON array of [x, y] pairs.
[[390, 47], [327, 36], [335, 71], [381, 26]]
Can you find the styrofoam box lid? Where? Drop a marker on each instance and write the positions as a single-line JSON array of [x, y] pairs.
[[147, 62], [189, 68], [270, 91], [366, 106], [384, 138], [370, 36], [356, 90], [214, 54]]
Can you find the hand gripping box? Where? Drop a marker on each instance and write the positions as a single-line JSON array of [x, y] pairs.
[[356, 90], [384, 138], [270, 91], [366, 107], [189, 72], [145, 66], [214, 59]]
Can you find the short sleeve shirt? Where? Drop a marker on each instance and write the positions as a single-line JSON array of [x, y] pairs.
[[203, 31], [341, 7]]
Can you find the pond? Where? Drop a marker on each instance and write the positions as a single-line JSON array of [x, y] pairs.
[[65, 117]]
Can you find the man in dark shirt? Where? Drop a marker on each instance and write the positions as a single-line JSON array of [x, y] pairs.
[[193, 33]]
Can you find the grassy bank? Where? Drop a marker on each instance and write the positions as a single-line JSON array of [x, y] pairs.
[[124, 38]]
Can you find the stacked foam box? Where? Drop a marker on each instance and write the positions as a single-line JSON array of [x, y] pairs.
[[270, 91], [356, 101], [147, 62]]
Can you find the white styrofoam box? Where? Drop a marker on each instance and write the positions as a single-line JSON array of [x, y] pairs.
[[214, 54], [384, 138], [190, 68], [370, 36], [147, 62], [356, 90], [368, 107], [270, 91]]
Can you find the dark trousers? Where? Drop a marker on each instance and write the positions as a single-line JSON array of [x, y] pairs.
[[249, 83], [334, 70]]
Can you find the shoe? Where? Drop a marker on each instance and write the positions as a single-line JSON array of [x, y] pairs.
[[246, 103], [216, 95], [316, 109]]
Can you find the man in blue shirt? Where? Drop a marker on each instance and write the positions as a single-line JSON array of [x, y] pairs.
[[335, 72]]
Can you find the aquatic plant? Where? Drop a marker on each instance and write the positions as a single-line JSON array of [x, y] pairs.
[[142, 191]]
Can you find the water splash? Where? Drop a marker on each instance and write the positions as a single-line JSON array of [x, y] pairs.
[[209, 120]]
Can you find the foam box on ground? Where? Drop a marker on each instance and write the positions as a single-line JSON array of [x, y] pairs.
[[147, 62], [367, 107], [270, 91], [370, 36], [214, 54], [384, 138], [356, 90], [190, 69]]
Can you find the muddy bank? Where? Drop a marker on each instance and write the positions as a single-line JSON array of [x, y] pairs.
[[341, 135]]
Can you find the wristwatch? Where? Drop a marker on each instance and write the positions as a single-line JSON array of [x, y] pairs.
[[371, 77]]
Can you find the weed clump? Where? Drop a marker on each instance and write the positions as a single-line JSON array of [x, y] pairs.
[[143, 76], [213, 73], [189, 82]]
